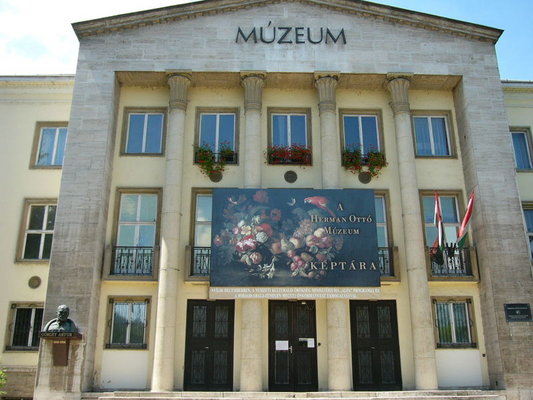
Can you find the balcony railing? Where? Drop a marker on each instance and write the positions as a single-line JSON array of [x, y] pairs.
[[230, 157], [201, 261], [385, 258], [132, 261], [454, 262]]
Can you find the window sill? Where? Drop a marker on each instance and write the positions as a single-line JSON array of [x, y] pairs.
[[22, 349], [431, 157], [54, 167], [456, 346], [142, 154], [109, 346], [529, 170], [32, 261]]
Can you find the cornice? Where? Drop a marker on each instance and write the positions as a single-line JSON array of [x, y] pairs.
[[355, 7], [517, 86], [37, 81]]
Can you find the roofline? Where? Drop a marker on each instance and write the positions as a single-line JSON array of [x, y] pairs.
[[36, 80], [210, 7], [517, 86]]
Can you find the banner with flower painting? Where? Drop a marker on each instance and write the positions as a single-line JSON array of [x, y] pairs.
[[294, 237]]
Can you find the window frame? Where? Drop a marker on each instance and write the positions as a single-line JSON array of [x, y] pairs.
[[352, 112], [271, 111], [468, 301], [218, 111], [23, 230], [528, 206], [459, 204], [125, 130], [116, 223], [393, 250], [10, 327], [192, 234], [448, 121], [36, 147], [529, 146], [109, 325]]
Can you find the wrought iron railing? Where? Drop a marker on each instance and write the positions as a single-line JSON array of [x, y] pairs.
[[385, 258], [201, 261], [132, 260], [451, 262], [229, 157]]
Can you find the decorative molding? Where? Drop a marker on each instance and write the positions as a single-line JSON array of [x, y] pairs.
[[253, 83], [179, 84], [398, 86], [326, 83], [212, 7]]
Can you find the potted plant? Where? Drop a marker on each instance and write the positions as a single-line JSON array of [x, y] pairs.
[[205, 158], [296, 154], [355, 162], [352, 160]]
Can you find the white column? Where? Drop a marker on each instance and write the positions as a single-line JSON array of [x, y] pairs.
[[420, 302], [165, 329], [253, 83], [326, 84], [251, 378], [339, 361]]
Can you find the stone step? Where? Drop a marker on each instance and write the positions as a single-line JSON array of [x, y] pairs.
[[396, 395]]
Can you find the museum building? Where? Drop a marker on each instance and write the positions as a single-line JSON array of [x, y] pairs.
[[269, 196]]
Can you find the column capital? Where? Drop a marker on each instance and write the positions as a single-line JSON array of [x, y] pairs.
[[398, 86], [179, 83], [326, 83], [253, 83]]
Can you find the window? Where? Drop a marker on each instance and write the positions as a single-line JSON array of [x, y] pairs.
[[144, 131], [49, 145], [360, 132], [203, 205], [450, 217], [528, 216], [522, 149], [432, 136], [384, 252], [218, 132], [25, 327], [136, 233], [290, 138], [129, 320], [453, 323], [38, 230]]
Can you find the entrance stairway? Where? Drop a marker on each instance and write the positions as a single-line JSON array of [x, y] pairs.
[[399, 395]]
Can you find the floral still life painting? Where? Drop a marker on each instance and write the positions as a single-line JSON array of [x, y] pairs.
[[294, 237]]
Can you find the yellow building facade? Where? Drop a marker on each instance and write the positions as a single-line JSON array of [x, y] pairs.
[[109, 211]]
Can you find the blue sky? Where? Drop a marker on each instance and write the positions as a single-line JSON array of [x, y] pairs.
[[36, 36]]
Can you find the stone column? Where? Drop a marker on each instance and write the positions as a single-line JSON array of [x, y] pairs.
[[339, 361], [165, 329], [420, 302], [253, 83], [326, 84], [252, 311]]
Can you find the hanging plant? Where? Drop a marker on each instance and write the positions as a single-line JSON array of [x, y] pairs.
[[373, 162], [282, 155], [207, 161]]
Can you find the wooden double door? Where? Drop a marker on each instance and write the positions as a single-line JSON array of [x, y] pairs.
[[292, 346], [209, 345], [375, 348]]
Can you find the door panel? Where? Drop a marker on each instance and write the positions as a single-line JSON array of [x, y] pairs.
[[209, 345], [292, 346], [375, 349]]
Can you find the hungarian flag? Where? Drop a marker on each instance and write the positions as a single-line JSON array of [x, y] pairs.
[[437, 249], [463, 230]]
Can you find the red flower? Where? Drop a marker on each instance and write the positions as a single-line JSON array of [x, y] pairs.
[[275, 214], [265, 228], [261, 196]]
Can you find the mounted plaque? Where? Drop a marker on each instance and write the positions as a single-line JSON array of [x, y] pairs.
[[518, 312]]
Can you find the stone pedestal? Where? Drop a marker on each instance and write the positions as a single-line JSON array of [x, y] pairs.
[[419, 300]]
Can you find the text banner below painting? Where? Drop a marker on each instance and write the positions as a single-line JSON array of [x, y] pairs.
[[293, 243]]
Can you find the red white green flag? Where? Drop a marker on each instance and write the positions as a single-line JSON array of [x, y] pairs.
[[463, 230], [436, 251]]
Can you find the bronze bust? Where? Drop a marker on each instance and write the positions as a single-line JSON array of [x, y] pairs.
[[62, 323]]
